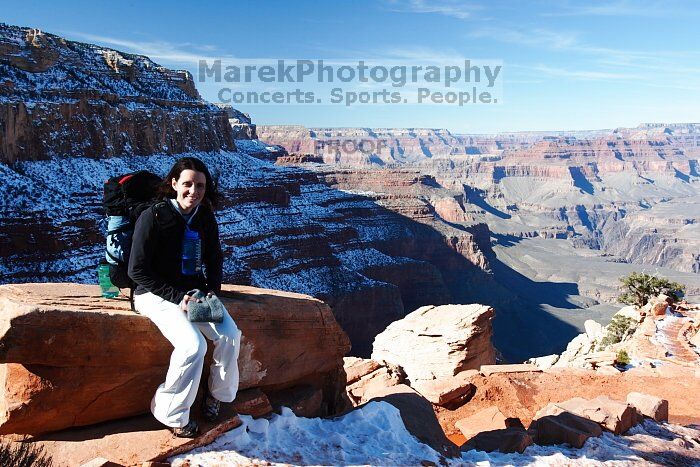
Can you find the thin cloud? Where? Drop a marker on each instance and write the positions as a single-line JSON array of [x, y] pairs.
[[408, 54], [157, 50], [677, 83], [455, 9], [532, 37], [570, 42], [423, 54], [588, 75], [640, 8]]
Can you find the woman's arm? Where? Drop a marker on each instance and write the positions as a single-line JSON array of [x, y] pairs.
[[141, 259]]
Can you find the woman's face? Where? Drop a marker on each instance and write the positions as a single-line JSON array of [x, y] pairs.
[[190, 188]]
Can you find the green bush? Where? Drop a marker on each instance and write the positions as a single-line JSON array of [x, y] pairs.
[[623, 357], [616, 330], [23, 455], [638, 288]]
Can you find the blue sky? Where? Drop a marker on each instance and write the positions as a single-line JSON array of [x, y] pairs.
[[566, 65]]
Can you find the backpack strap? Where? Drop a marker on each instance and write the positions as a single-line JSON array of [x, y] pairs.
[[123, 228], [165, 215]]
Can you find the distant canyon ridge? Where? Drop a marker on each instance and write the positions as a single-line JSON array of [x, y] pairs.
[[629, 192]]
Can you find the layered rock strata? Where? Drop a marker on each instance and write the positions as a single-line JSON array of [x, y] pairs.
[[241, 123], [71, 98], [632, 194]]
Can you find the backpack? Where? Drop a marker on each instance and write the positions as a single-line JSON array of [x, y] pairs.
[[125, 198]]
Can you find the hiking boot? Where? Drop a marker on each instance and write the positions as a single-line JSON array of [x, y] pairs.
[[191, 430], [211, 407]]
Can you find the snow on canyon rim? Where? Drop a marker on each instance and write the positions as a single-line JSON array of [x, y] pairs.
[[375, 435]]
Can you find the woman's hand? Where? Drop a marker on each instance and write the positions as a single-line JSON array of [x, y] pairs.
[[186, 300]]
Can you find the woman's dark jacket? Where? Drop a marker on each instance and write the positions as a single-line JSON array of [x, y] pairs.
[[155, 263]]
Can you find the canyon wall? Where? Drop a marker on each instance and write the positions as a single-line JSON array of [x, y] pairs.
[[59, 97]]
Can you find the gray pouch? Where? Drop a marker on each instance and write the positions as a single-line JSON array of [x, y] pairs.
[[210, 310]]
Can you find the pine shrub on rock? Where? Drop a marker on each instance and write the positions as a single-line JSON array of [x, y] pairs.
[[639, 288], [622, 358], [617, 330]]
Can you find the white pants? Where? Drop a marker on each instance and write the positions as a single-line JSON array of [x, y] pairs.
[[173, 399]]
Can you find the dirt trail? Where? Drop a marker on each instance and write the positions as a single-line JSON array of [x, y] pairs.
[[674, 342], [522, 394]]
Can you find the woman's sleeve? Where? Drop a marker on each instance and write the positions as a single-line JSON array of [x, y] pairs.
[[214, 257], [141, 258]]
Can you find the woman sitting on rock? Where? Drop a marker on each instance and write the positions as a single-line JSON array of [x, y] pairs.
[[164, 275]]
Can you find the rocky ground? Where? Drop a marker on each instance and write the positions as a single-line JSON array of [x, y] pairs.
[[449, 396], [485, 406]]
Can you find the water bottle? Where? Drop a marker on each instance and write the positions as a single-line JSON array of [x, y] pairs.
[[191, 253], [108, 289]]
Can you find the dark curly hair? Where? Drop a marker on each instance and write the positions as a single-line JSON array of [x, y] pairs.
[[211, 193]]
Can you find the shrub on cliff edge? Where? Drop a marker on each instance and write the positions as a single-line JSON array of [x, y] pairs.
[[622, 358], [638, 288], [618, 329]]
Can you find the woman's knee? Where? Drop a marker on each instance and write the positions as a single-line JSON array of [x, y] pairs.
[[193, 347]]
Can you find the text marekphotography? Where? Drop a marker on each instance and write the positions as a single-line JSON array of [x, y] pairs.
[[352, 82]]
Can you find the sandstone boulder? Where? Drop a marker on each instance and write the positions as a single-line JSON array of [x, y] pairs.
[[356, 368], [657, 306], [594, 330], [489, 419], [564, 427], [607, 370], [649, 406], [435, 343], [577, 347], [611, 415], [595, 360], [367, 378], [545, 362], [450, 392], [513, 439], [72, 358]]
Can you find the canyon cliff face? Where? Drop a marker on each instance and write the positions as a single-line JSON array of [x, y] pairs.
[[59, 97]]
